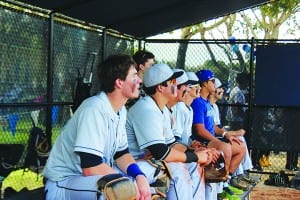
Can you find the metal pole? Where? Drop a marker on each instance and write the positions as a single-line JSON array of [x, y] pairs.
[[50, 78]]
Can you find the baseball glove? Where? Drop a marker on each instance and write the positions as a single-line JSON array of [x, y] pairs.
[[162, 183], [116, 187], [216, 172]]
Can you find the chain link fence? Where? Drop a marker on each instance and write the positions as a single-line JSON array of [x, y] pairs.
[[78, 48], [271, 132], [25, 92]]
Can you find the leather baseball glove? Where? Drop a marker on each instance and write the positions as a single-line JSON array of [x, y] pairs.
[[116, 187], [216, 172]]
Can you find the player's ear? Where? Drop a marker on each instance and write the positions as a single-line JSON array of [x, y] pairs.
[[119, 83], [141, 67], [160, 88]]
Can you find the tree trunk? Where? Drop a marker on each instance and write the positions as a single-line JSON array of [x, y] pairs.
[[181, 54]]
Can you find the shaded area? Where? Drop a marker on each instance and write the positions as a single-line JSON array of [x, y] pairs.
[[136, 18]]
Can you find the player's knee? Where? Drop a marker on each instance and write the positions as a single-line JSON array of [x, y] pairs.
[[241, 149], [226, 148]]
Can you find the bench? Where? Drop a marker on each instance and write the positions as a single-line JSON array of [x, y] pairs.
[[246, 194]]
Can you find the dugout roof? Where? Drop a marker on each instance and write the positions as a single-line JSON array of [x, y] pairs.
[[144, 18]]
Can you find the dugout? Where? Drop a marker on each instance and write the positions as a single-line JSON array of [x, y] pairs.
[[44, 44]]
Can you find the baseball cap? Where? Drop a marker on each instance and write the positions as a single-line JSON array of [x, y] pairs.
[[218, 83], [193, 79], [205, 75], [182, 79], [159, 73]]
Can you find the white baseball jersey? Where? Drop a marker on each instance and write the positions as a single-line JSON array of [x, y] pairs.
[[146, 126], [184, 119], [216, 114], [94, 128]]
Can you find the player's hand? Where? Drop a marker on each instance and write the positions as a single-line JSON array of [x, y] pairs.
[[240, 132], [233, 139], [204, 157], [215, 154], [143, 188]]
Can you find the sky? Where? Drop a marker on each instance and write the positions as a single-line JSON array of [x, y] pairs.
[[283, 34]]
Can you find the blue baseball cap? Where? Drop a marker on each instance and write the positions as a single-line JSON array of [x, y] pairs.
[[205, 75]]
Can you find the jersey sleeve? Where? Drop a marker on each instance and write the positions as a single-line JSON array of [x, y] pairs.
[[145, 122], [122, 142], [180, 118], [91, 132]]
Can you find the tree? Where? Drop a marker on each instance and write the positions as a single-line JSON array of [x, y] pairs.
[[263, 22], [188, 33], [271, 17]]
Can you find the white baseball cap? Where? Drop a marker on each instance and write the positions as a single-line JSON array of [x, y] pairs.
[[218, 83], [159, 73], [182, 79], [193, 79]]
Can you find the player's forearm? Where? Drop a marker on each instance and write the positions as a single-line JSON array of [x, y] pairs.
[[175, 156], [206, 135], [180, 147], [102, 169], [201, 131], [219, 131], [124, 161]]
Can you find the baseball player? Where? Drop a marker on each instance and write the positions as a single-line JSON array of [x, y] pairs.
[[203, 125], [183, 112], [149, 134], [246, 163], [144, 60], [188, 90], [181, 117], [93, 143]]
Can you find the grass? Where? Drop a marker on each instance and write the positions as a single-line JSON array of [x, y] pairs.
[[22, 132]]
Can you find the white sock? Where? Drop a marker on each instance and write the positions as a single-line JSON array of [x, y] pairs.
[[229, 178], [225, 184]]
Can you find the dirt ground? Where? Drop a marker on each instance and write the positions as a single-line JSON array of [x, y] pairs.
[[264, 192]]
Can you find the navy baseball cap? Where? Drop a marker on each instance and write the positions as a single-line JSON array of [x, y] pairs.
[[205, 75]]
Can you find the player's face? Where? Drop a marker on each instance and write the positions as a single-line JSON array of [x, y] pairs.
[[194, 90], [211, 86], [132, 84], [146, 65], [219, 93], [149, 63], [171, 89], [181, 92]]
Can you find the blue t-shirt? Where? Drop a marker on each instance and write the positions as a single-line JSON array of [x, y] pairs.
[[203, 114]]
